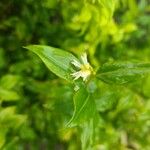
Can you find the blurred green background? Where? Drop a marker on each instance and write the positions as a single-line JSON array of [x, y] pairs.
[[35, 105]]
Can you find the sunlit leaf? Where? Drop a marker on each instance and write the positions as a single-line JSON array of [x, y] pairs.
[[9, 81], [109, 5], [8, 95]]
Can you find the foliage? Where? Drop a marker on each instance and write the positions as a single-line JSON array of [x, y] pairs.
[[42, 109]]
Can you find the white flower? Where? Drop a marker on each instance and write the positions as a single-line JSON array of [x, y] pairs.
[[85, 69]]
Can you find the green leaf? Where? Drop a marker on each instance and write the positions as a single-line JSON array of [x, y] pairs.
[[146, 87], [2, 58], [9, 118], [89, 132], [109, 5], [57, 60], [85, 107], [7, 113], [9, 81], [121, 73], [8, 95], [106, 102], [2, 138]]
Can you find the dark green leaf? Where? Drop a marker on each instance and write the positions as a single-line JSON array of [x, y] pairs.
[[120, 73]]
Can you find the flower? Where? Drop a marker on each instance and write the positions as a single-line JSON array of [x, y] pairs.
[[85, 69]]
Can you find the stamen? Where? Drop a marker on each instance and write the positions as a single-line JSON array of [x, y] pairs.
[[84, 58]]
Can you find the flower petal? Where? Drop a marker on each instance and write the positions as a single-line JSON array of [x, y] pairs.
[[76, 63], [76, 75], [84, 58]]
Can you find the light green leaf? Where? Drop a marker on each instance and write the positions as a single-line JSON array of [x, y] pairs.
[[85, 107], [121, 73], [57, 60], [2, 138], [9, 118], [8, 95], [9, 81], [109, 5]]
